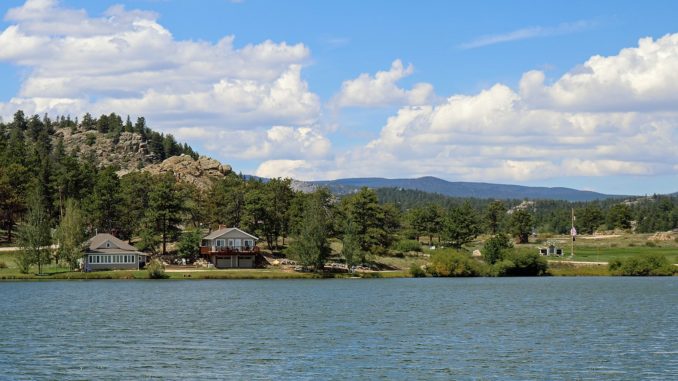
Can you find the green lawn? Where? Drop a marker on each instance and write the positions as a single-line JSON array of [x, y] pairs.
[[605, 250]]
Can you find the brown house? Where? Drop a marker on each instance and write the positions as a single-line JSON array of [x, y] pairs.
[[230, 248], [106, 252]]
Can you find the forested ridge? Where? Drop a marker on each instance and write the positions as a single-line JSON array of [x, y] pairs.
[[51, 192]]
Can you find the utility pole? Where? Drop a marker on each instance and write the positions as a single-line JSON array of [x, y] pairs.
[[573, 233]]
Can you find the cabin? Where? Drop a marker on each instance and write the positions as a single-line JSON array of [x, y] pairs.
[[228, 248], [551, 250], [107, 252]]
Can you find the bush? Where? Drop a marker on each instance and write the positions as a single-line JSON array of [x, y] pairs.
[[416, 271], [3, 265], [520, 264], [455, 264], [156, 270], [650, 244], [651, 264], [408, 245]]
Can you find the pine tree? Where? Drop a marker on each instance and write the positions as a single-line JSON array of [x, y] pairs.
[[165, 209], [311, 248]]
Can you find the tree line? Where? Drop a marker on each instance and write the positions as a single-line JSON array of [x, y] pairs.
[[49, 195]]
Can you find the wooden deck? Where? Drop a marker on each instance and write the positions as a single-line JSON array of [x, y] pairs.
[[206, 250]]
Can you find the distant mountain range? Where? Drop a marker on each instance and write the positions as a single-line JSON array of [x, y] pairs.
[[456, 188]]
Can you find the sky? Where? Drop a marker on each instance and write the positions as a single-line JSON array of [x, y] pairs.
[[579, 94]]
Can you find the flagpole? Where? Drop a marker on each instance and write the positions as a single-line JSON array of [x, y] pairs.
[[572, 234]]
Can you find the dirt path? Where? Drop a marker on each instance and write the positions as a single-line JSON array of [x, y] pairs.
[[580, 263]]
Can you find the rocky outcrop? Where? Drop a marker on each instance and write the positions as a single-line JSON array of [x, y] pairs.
[[200, 172], [129, 152]]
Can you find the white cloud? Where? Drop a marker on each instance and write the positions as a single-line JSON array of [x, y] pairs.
[[126, 62], [610, 116], [382, 89], [642, 78], [528, 33]]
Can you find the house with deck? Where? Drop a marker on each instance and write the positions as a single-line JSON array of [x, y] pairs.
[[107, 252], [230, 248]]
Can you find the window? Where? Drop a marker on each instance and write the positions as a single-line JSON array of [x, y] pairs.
[[220, 243]]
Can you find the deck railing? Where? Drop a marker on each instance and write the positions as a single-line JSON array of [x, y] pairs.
[[228, 250]]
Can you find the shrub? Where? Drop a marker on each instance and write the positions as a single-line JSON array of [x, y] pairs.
[[455, 264], [416, 271], [408, 245], [90, 139], [521, 264], [3, 265], [643, 265], [650, 244], [156, 270]]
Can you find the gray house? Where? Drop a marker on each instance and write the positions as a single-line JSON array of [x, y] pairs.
[[230, 248], [106, 252]]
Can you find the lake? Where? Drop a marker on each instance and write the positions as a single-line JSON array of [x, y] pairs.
[[463, 329]]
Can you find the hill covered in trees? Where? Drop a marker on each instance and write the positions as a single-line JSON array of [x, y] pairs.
[[54, 185], [462, 189]]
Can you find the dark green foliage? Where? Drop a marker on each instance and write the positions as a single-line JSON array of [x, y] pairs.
[[495, 248], [373, 222], [495, 215], [619, 217], [446, 263], [165, 208], [104, 204], [520, 225], [425, 221], [589, 218], [520, 264], [460, 226], [351, 250], [311, 247], [650, 264]]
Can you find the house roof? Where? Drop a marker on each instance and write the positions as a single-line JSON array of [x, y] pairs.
[[97, 242], [220, 232]]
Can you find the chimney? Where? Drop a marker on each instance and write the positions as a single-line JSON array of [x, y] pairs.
[[221, 226]]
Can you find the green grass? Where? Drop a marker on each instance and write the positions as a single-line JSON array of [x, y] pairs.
[[605, 250]]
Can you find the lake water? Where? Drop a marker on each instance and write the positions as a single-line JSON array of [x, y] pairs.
[[461, 329]]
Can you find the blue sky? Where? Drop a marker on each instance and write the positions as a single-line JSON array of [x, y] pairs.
[[298, 91]]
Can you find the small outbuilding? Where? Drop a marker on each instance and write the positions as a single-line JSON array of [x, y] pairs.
[[107, 252], [551, 250], [230, 248]]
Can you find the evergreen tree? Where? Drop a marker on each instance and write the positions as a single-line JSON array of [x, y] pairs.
[[496, 211], [311, 248], [520, 225], [165, 206], [461, 226], [105, 202]]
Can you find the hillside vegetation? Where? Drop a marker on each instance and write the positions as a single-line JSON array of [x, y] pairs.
[[61, 178]]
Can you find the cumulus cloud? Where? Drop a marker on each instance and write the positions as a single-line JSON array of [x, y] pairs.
[[125, 61], [382, 89], [642, 79], [610, 116]]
